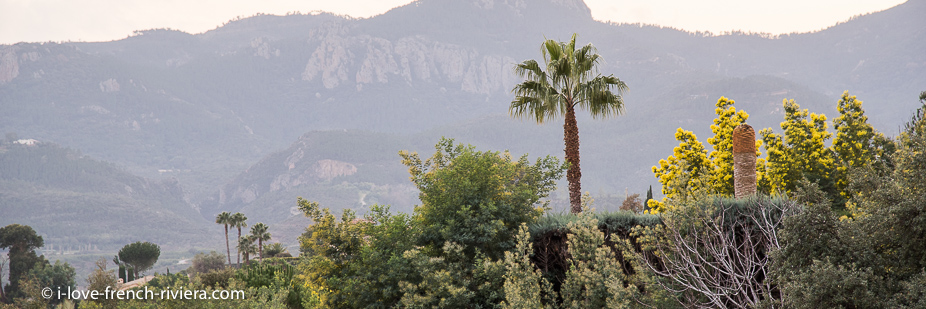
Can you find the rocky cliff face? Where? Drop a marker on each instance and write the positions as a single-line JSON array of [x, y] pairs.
[[321, 166], [9, 64], [343, 59]]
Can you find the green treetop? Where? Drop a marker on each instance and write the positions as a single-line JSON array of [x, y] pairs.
[[21, 240], [728, 118], [260, 233], [800, 153], [225, 218], [478, 199], [140, 255], [684, 172]]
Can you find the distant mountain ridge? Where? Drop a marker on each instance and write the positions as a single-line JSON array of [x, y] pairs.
[[213, 104]]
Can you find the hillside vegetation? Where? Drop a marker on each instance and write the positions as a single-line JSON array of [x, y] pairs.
[[80, 204]]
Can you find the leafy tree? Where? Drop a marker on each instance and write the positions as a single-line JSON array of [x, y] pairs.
[[599, 269], [238, 220], [472, 205], [477, 199], [32, 297], [326, 236], [21, 240], [225, 218], [525, 286], [684, 172], [58, 277], [595, 278], [260, 234], [728, 118], [632, 203], [692, 169], [801, 152], [569, 79], [99, 280], [140, 255], [203, 262], [356, 262], [874, 259], [649, 196], [923, 96], [217, 278], [856, 144], [452, 280]]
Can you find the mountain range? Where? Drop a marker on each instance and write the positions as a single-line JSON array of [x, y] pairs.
[[252, 114]]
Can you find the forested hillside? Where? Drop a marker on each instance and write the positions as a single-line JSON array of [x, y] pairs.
[[83, 205]]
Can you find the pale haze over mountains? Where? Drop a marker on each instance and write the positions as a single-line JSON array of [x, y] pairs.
[[252, 114]]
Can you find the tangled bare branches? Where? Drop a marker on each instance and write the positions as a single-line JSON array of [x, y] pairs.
[[715, 252]]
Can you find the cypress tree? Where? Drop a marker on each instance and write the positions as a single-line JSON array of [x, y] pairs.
[[649, 196]]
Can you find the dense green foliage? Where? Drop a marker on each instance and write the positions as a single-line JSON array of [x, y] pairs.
[[355, 262], [58, 277], [692, 170], [208, 105], [276, 250], [477, 199], [21, 241], [585, 261], [876, 258], [857, 144], [447, 253], [481, 239], [205, 262], [800, 153], [140, 255]]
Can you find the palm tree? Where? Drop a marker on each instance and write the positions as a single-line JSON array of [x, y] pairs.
[[225, 218], [275, 249], [570, 80], [246, 247], [238, 220], [259, 232]]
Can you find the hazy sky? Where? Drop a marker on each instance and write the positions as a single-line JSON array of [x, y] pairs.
[[104, 20]]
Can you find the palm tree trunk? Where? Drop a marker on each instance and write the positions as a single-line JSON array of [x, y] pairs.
[[574, 174], [744, 161], [260, 250], [227, 248], [238, 250]]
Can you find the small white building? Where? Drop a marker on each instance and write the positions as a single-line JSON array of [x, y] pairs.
[[27, 142]]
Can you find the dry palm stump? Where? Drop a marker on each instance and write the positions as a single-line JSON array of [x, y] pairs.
[[744, 161]]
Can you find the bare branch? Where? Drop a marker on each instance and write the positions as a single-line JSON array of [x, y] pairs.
[[715, 252]]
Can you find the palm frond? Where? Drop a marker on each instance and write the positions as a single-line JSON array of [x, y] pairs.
[[586, 60], [551, 51], [536, 100], [599, 99], [529, 69], [567, 76]]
